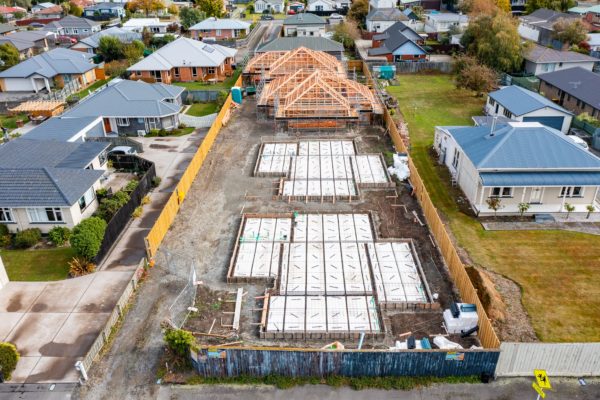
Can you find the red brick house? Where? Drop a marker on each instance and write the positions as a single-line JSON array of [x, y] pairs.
[[220, 29]]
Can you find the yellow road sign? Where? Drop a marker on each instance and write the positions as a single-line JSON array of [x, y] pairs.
[[542, 379], [538, 390]]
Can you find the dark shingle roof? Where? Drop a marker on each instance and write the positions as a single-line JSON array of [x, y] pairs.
[[7, 28], [578, 82], [386, 14], [541, 55], [71, 21], [399, 27], [291, 43], [395, 40]]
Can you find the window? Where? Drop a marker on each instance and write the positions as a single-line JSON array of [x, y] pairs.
[[210, 70], [318, 8], [491, 101], [501, 192], [194, 72], [176, 72], [44, 215], [87, 199], [507, 113], [153, 123], [571, 191], [122, 121], [456, 158], [578, 102], [6, 215]]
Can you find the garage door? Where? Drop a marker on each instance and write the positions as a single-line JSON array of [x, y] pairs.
[[552, 122]]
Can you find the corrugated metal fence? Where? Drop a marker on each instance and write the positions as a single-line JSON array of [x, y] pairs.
[[558, 359], [167, 215], [220, 362]]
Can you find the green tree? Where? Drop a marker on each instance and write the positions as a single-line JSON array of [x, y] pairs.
[[523, 207], [358, 11], [346, 33], [190, 16], [87, 237], [569, 31], [179, 341], [472, 75], [9, 357], [111, 48], [494, 41], [504, 5], [9, 55], [147, 6], [212, 8], [26, 4], [590, 209], [558, 5], [133, 51], [495, 204], [570, 208], [76, 10]]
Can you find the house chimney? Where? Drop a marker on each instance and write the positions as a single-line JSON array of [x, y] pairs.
[[493, 125]]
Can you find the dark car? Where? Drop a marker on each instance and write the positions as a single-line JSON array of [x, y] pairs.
[[267, 17]]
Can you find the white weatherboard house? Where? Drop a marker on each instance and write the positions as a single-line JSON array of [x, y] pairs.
[[516, 103], [519, 162], [276, 6]]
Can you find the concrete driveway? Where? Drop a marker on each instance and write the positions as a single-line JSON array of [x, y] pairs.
[[54, 324]]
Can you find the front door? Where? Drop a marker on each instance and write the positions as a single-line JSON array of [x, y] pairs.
[[536, 195], [107, 127]]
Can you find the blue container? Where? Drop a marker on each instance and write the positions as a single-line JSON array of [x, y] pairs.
[[387, 72], [236, 94]]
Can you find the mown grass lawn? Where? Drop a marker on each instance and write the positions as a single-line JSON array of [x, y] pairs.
[[37, 265], [85, 92], [201, 109], [558, 271], [10, 121], [225, 85]]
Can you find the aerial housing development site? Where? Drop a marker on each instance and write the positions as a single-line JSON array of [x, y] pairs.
[[300, 200]]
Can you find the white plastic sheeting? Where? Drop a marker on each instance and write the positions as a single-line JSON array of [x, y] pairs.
[[400, 168]]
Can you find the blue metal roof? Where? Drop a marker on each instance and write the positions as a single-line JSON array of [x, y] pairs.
[[522, 146], [538, 178], [520, 101]]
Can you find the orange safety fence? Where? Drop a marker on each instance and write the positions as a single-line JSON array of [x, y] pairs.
[[169, 212]]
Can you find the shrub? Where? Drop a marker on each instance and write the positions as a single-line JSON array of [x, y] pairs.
[[3, 230], [156, 181], [131, 185], [137, 212], [27, 238], [79, 266], [9, 356], [110, 205], [182, 125], [87, 237], [145, 200], [116, 67], [101, 193], [59, 235], [179, 341], [5, 237]]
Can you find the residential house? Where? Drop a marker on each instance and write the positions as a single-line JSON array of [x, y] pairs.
[[186, 60], [91, 43], [576, 89], [589, 14], [326, 7], [132, 107], [540, 59], [304, 24], [48, 184], [518, 6], [62, 129], [382, 4], [539, 25], [399, 43], [594, 42], [73, 26], [428, 5], [220, 29], [54, 68], [104, 11], [153, 25], [50, 13], [379, 19], [29, 43], [41, 6], [318, 43], [274, 6], [519, 162], [7, 29], [522, 105], [443, 22], [8, 13]]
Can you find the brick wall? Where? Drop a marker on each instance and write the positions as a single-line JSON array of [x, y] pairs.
[[569, 102]]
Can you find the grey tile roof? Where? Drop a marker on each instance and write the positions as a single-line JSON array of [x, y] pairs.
[[395, 37], [386, 14], [71, 21], [19, 44], [543, 55], [105, 6], [45, 187], [578, 82], [25, 153], [304, 19], [291, 43], [60, 129], [7, 28], [51, 63], [123, 35], [545, 18], [129, 99]]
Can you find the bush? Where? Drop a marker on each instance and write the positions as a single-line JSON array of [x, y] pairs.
[[145, 200], [59, 235], [27, 238], [137, 212], [101, 193], [156, 181], [116, 67], [87, 237], [9, 356], [179, 341], [110, 205], [79, 266], [5, 237], [131, 185]]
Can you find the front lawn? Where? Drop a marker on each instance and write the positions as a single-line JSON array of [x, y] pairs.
[[225, 85], [10, 121], [83, 93], [202, 109], [37, 265], [558, 271]]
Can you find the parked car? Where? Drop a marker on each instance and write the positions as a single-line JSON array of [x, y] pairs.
[[267, 17], [36, 25], [291, 12], [122, 150]]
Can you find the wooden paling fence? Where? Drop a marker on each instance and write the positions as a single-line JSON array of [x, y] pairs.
[[461, 279], [169, 212]]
